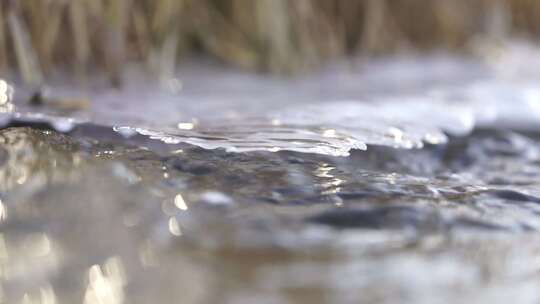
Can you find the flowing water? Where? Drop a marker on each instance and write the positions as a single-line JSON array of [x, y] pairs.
[[410, 180]]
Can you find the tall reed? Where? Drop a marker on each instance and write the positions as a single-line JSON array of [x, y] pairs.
[[280, 36]]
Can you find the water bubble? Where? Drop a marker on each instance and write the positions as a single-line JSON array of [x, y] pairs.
[[3, 212], [216, 198], [126, 132], [63, 125], [174, 227], [180, 203], [185, 125]]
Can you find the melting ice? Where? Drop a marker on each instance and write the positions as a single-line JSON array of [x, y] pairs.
[[402, 103]]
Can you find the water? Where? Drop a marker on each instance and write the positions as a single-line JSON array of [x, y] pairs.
[[425, 191]]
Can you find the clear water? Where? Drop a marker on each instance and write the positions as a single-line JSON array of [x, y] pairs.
[[415, 183]]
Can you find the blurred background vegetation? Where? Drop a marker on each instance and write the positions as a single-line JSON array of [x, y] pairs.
[[278, 36]]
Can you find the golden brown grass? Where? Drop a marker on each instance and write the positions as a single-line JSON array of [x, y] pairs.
[[264, 35]]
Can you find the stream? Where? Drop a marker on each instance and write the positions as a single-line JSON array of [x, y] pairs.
[[413, 179]]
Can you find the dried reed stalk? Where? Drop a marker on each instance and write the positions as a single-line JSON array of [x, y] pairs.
[[280, 36]]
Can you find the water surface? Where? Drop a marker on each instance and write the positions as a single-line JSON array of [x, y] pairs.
[[417, 183]]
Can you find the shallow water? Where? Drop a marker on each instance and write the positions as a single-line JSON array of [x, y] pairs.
[[88, 221], [438, 200]]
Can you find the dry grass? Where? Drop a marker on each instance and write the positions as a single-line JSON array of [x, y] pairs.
[[264, 35]]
